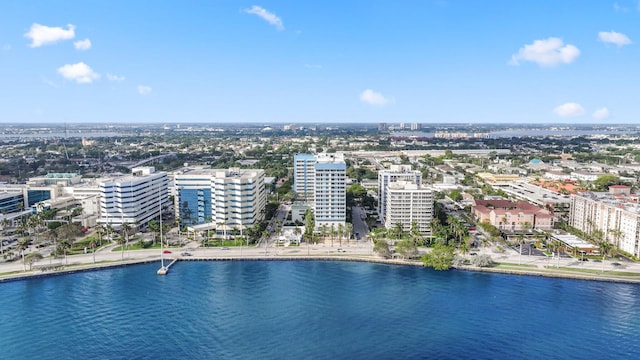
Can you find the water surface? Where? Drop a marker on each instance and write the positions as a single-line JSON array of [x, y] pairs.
[[315, 310]]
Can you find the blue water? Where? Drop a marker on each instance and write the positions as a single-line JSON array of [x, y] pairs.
[[315, 310]]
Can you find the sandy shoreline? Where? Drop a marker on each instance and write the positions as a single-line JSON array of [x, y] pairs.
[[610, 276]]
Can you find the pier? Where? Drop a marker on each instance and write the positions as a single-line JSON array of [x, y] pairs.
[[165, 269]]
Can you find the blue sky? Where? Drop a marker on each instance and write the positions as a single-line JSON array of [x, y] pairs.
[[426, 61]]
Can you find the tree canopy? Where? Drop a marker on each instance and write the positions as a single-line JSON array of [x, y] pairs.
[[440, 257]]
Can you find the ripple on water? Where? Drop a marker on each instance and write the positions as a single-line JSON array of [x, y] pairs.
[[314, 310]]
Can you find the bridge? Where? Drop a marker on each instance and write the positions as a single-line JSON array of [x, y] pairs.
[[151, 159]]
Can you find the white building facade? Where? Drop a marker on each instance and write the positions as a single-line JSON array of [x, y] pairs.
[[407, 203], [231, 198], [304, 176], [616, 216], [394, 174], [330, 191], [134, 199]]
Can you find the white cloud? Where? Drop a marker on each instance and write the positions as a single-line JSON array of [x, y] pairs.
[[612, 37], [601, 114], [313, 66], [569, 110], [115, 78], [618, 7], [44, 35], [144, 90], [548, 52], [267, 16], [373, 98], [80, 73], [6, 47], [82, 44], [50, 83]]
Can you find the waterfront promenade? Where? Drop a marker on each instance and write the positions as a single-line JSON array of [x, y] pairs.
[[507, 262]]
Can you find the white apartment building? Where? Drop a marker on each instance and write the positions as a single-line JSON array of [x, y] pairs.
[[616, 213], [395, 173], [134, 199], [304, 176], [408, 202], [330, 190], [233, 198]]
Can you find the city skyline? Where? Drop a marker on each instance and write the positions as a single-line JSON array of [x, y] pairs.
[[356, 62]]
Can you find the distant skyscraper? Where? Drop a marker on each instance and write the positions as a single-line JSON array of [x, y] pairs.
[[382, 127], [415, 126]]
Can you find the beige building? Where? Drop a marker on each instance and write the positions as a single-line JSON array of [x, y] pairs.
[[511, 217], [407, 203], [615, 213]]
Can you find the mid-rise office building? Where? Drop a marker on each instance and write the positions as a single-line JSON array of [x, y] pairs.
[[394, 174], [407, 204], [234, 198], [134, 199]]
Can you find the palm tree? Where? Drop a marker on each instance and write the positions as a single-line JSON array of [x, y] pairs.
[[617, 234], [520, 242], [553, 246], [605, 249], [100, 231], [125, 234], [332, 230], [223, 225], [464, 248], [297, 232], [399, 230], [348, 230], [32, 258], [122, 241], [22, 246], [92, 245], [340, 232], [323, 232]]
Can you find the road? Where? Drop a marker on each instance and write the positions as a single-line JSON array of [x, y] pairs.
[[361, 248], [359, 226]]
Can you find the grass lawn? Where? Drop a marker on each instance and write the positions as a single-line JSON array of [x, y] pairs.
[[504, 264], [138, 246], [594, 271]]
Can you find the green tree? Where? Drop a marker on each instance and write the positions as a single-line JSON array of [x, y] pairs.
[[605, 249], [407, 249], [604, 181], [32, 258], [482, 260], [382, 248], [440, 257], [455, 195]]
